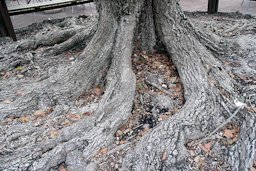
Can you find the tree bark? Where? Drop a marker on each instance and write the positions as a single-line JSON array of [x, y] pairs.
[[106, 60]]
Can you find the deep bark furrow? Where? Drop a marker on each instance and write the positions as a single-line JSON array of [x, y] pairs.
[[242, 154], [146, 28]]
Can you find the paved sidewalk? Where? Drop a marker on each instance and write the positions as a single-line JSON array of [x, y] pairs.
[[248, 7], [27, 19]]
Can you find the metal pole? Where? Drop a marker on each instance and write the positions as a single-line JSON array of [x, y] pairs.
[[213, 6], [6, 23]]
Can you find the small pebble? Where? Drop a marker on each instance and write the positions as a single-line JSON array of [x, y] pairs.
[[146, 126], [165, 86], [119, 133], [20, 76], [127, 131]]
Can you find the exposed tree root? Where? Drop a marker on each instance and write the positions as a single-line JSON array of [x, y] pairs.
[[52, 130], [197, 69], [82, 35], [59, 36], [47, 40], [75, 79], [97, 130]]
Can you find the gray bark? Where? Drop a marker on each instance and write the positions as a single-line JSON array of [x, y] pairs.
[[146, 29], [106, 60]]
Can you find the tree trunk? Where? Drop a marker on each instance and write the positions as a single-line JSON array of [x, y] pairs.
[[106, 61]]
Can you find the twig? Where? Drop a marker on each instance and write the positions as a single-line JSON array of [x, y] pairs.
[[141, 100], [219, 127], [227, 109], [159, 88], [30, 57], [138, 126], [251, 102], [232, 28], [131, 137], [241, 28], [248, 88]]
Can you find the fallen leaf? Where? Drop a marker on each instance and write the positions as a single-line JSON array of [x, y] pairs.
[[19, 68], [19, 93], [66, 123], [226, 62], [173, 79], [127, 131], [119, 133], [163, 117], [123, 128], [7, 75], [190, 145], [192, 152], [230, 133], [164, 156], [54, 134], [40, 113], [7, 101], [156, 65], [144, 56], [24, 119], [175, 110], [251, 109], [73, 117], [49, 110], [144, 132], [161, 66], [62, 168], [87, 113], [206, 147], [20, 76], [123, 142], [2, 73], [103, 150], [177, 88], [254, 166], [199, 160], [231, 141], [98, 91]]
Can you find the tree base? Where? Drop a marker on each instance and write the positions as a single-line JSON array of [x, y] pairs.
[[89, 113]]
